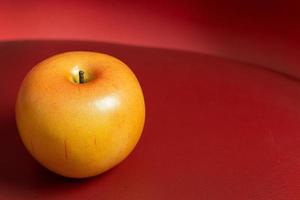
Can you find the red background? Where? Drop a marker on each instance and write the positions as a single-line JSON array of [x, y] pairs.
[[216, 128], [261, 32]]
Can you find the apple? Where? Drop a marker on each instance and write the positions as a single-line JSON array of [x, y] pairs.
[[80, 113]]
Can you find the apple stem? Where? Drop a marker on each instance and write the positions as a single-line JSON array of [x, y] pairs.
[[81, 76]]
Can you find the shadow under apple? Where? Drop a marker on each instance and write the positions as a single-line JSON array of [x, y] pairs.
[[20, 174]]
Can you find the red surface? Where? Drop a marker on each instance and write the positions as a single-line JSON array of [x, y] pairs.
[[215, 129]]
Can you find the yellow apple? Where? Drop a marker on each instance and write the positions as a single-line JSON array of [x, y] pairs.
[[80, 113]]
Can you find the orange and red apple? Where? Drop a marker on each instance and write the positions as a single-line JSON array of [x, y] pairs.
[[80, 113]]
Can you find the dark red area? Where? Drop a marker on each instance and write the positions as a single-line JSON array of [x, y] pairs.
[[261, 32], [215, 129]]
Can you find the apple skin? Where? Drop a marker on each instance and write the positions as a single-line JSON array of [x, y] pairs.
[[80, 130]]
